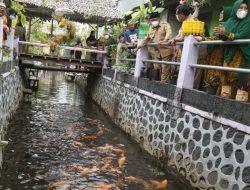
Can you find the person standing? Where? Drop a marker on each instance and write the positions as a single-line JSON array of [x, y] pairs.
[[236, 56], [131, 35], [159, 32]]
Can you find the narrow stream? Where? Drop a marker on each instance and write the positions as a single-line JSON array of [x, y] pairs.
[[62, 140]]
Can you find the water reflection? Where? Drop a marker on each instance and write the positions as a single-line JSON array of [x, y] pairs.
[[64, 141]]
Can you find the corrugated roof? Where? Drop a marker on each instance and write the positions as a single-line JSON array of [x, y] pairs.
[[99, 8]]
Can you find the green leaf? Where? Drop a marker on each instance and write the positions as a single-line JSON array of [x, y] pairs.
[[159, 10]]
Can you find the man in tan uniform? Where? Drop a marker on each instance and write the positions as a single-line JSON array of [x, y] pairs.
[[183, 13], [159, 32]]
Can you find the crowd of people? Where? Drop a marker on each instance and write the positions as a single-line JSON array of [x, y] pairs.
[[234, 23]]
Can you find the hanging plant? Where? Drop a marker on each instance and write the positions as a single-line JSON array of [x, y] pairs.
[[202, 3], [141, 13], [19, 8]]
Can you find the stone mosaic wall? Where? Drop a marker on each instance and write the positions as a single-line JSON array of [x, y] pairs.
[[209, 155], [11, 89]]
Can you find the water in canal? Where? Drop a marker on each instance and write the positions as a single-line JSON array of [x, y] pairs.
[[62, 140]]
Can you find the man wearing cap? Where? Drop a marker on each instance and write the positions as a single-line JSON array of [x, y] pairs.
[[159, 32]]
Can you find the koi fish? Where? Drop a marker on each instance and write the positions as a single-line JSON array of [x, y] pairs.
[[58, 184], [159, 185], [121, 161]]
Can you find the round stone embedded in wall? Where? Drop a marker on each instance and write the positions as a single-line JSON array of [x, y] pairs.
[[246, 175], [155, 143], [167, 137], [199, 168], [153, 101], [161, 136], [167, 118], [206, 153], [166, 128], [228, 149], [180, 126], [150, 128], [209, 164], [147, 106], [206, 139], [161, 127], [216, 150], [239, 138], [182, 113], [150, 138], [196, 153], [235, 187], [237, 173], [144, 122], [187, 118], [177, 139], [151, 111], [172, 137], [184, 147], [157, 112], [197, 135], [217, 162], [215, 125], [230, 132], [186, 133], [248, 145], [173, 123], [224, 183], [155, 127], [227, 169], [206, 124], [239, 156], [191, 146], [196, 123], [177, 147], [217, 136], [161, 117], [155, 135], [151, 118], [212, 177]]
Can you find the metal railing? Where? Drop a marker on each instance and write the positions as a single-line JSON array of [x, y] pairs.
[[38, 44]]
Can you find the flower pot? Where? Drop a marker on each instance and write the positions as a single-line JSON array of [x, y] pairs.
[[155, 74], [46, 50], [226, 91], [211, 90], [242, 96]]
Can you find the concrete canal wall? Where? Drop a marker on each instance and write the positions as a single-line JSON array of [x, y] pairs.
[[11, 89], [205, 138]]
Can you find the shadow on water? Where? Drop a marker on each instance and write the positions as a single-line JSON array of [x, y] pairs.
[[62, 140]]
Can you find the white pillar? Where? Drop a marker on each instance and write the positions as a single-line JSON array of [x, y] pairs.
[[189, 56], [141, 55], [1, 37], [105, 58], [10, 43]]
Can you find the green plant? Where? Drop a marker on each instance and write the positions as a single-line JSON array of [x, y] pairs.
[[19, 8], [141, 13]]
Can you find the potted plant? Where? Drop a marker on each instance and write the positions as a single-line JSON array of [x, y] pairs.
[[140, 16]]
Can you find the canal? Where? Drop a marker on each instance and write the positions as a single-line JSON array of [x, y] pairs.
[[62, 140]]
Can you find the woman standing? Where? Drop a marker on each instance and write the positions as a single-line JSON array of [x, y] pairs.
[[236, 27]]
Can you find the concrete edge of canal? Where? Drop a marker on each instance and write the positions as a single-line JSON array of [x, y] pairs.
[[11, 93], [210, 152]]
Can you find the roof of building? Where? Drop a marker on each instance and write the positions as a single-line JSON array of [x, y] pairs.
[[94, 10]]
